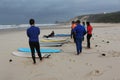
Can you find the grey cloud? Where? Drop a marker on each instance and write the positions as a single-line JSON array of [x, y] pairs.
[[19, 11]]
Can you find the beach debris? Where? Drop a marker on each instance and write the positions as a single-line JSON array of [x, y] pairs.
[[10, 60], [107, 42], [96, 45], [103, 54]]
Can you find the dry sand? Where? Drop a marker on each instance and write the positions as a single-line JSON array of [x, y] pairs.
[[89, 65]]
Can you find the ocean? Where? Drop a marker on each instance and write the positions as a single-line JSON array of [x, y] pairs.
[[24, 26]]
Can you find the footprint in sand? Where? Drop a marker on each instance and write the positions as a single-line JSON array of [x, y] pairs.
[[88, 64], [113, 54], [103, 40], [96, 72], [71, 60]]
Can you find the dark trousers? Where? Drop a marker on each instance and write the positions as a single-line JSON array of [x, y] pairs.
[[88, 40], [73, 35], [79, 45], [35, 46]]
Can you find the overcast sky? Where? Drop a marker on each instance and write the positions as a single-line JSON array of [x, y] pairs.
[[49, 11]]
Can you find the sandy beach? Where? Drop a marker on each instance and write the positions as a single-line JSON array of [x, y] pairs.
[[91, 64]]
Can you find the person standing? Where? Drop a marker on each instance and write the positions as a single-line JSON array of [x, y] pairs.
[[33, 33], [89, 33], [83, 24], [79, 31], [73, 25]]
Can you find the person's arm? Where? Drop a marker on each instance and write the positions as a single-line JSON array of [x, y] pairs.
[[27, 33], [88, 29], [38, 31], [74, 30]]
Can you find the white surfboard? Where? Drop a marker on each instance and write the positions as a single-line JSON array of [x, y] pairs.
[[54, 40]]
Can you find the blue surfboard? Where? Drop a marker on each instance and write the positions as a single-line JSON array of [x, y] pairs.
[[41, 50], [62, 35]]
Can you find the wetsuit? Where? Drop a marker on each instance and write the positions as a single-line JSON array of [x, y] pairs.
[[79, 34], [33, 34]]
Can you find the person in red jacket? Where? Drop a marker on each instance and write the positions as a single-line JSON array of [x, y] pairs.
[[89, 33]]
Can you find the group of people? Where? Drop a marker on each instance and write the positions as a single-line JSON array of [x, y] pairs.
[[78, 32]]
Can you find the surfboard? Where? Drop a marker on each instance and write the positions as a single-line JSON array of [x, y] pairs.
[[55, 40], [44, 44], [51, 40], [41, 50], [62, 35], [24, 54]]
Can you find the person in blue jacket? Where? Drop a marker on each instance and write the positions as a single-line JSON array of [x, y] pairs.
[[33, 33], [79, 31]]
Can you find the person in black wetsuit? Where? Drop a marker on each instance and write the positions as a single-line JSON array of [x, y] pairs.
[[49, 35], [33, 33]]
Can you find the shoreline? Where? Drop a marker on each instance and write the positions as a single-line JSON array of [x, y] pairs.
[[8, 30]]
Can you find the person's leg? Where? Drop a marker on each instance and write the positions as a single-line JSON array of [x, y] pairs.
[[88, 40], [80, 45], [31, 44], [45, 36], [38, 50], [48, 36], [74, 37], [77, 45], [71, 34], [83, 39]]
